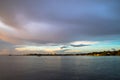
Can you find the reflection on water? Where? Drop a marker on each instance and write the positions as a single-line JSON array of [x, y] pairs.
[[59, 68]]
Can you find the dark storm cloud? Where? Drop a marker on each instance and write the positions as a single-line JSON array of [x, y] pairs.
[[81, 45], [72, 45], [61, 21], [63, 47]]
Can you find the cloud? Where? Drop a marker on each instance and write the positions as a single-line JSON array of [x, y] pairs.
[[81, 45], [63, 47], [44, 21], [84, 42], [6, 48], [5, 45]]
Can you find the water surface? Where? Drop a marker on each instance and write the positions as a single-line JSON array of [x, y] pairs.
[[59, 68]]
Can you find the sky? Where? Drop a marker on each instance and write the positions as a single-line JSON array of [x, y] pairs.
[[60, 26]]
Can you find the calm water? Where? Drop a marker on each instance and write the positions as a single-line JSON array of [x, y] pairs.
[[59, 68]]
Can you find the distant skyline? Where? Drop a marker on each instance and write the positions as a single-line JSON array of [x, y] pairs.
[[61, 26]]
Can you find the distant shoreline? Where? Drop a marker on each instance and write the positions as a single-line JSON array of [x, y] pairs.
[[104, 53], [59, 55]]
